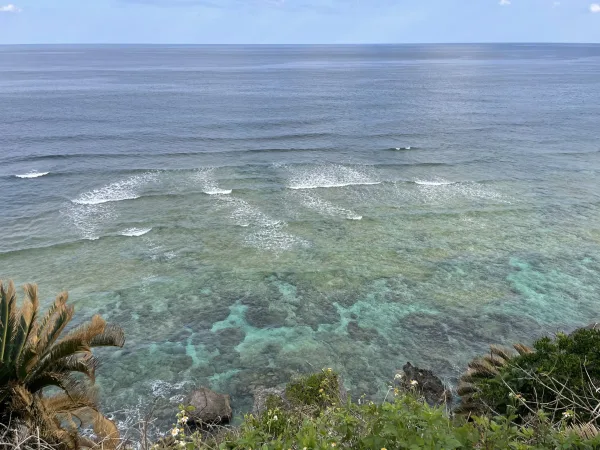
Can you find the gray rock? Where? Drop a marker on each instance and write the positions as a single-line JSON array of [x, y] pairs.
[[427, 384], [211, 408]]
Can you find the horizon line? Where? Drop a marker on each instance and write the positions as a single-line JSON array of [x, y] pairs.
[[298, 44]]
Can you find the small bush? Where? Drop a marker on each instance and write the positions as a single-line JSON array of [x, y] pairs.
[[560, 376], [405, 422], [320, 390]]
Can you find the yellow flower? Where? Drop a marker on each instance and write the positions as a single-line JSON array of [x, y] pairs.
[[333, 444], [321, 390], [329, 369], [383, 448]]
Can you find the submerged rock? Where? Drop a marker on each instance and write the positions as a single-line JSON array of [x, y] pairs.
[[211, 408], [425, 383]]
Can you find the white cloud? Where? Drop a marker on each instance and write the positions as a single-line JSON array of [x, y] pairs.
[[504, 3], [595, 8], [10, 8], [555, 4]]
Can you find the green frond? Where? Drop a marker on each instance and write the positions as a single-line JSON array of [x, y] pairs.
[[8, 301], [55, 354], [23, 331]]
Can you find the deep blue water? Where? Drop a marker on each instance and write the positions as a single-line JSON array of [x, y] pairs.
[[247, 213]]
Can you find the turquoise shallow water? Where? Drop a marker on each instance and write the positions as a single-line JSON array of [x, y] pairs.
[[249, 213]]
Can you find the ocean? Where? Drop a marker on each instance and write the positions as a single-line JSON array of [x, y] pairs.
[[247, 213]]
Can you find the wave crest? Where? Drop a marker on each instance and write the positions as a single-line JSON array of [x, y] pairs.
[[128, 189], [135, 232], [328, 176], [32, 174]]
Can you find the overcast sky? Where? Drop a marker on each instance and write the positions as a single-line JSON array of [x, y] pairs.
[[297, 21]]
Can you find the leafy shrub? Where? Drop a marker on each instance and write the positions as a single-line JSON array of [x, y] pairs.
[[560, 376], [321, 390], [406, 422]]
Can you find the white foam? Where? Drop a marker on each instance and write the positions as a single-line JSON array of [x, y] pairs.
[[328, 176], [275, 240], [444, 192], [246, 215], [261, 231], [403, 148], [89, 220], [128, 189], [206, 177], [217, 191], [434, 183], [32, 175], [327, 208], [135, 232]]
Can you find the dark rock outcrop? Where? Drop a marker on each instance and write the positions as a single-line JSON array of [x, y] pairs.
[[425, 383], [211, 408]]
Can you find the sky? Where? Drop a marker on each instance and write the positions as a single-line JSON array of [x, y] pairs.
[[297, 21]]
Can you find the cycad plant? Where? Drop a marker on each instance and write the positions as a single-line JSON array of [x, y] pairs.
[[480, 370], [47, 376]]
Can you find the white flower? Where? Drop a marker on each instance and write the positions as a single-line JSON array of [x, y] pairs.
[[174, 432], [182, 444], [274, 417], [567, 414], [183, 419], [398, 376], [414, 382]]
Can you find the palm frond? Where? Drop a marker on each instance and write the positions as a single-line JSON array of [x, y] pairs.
[[51, 379], [585, 431], [464, 389], [35, 355], [51, 332], [112, 336], [22, 331], [8, 300], [523, 349], [495, 361], [84, 364], [50, 361], [50, 317], [483, 368], [107, 432], [501, 352]]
